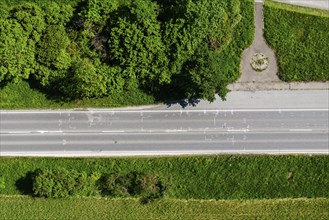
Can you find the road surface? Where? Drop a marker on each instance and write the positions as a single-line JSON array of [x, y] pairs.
[[144, 132]]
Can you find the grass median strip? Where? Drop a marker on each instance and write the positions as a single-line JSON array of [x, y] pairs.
[[94, 208], [194, 177]]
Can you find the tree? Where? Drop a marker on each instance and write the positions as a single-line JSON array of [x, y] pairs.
[[52, 48], [135, 44], [52, 56], [57, 14], [189, 24], [17, 59], [203, 76], [31, 17], [19, 33], [98, 11], [84, 80], [4, 10]]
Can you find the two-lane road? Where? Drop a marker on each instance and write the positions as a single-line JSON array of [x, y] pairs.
[[137, 132]]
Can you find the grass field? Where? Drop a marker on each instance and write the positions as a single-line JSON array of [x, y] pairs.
[[195, 177], [300, 39], [93, 208]]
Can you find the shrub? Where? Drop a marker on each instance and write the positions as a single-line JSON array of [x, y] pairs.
[[60, 183], [149, 185]]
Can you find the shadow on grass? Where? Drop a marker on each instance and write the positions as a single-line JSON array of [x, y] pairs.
[[25, 184], [51, 92]]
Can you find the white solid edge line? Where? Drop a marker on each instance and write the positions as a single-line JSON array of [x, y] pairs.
[[300, 130], [170, 131], [112, 131], [30, 132], [157, 153], [164, 110], [18, 132]]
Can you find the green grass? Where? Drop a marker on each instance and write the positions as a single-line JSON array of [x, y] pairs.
[[297, 8], [22, 96], [300, 39], [243, 36], [196, 177], [94, 208]]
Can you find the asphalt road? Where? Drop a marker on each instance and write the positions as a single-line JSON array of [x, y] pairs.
[[143, 132]]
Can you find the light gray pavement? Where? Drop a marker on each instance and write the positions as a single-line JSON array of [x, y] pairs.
[[259, 86], [104, 133], [259, 45], [276, 99], [272, 126]]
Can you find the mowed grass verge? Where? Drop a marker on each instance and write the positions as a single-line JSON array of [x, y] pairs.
[[22, 96], [94, 208], [299, 36], [194, 177]]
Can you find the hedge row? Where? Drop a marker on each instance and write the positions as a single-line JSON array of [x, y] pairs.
[[62, 183], [300, 41]]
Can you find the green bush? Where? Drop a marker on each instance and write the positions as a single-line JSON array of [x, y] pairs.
[[61, 183], [300, 41], [149, 185]]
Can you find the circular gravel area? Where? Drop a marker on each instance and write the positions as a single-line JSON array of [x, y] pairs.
[[259, 62]]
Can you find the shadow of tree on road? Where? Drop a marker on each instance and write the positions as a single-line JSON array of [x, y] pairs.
[[183, 102]]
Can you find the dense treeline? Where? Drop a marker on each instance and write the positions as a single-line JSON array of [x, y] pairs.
[[97, 48]]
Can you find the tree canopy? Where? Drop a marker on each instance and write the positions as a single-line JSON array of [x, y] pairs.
[[95, 48]]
